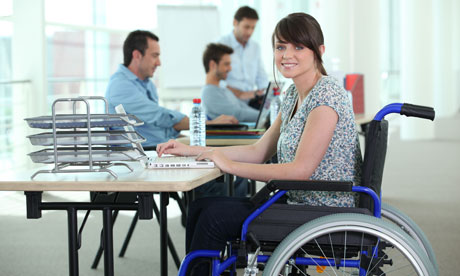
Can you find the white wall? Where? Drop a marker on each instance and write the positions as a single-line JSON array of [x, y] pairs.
[[351, 33], [429, 46]]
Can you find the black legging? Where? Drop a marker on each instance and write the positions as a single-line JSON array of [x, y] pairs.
[[211, 222]]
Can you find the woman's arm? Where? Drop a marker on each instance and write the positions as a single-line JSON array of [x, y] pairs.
[[313, 144], [259, 152]]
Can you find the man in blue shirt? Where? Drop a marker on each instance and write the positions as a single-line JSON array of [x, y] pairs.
[[219, 100], [131, 87], [247, 78]]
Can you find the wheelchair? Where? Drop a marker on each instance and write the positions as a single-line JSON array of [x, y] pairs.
[[372, 238]]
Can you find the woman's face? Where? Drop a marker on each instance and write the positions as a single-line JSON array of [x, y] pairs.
[[294, 61]]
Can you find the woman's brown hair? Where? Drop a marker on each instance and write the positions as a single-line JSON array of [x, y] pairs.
[[301, 29]]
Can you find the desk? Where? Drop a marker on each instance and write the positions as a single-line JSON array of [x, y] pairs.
[[221, 142], [143, 182]]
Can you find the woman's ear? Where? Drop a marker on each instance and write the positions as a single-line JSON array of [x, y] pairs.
[[322, 48]]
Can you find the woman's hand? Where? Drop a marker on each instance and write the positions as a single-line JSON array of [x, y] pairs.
[[175, 148], [217, 157]]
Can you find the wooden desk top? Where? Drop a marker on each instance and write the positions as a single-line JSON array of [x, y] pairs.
[[140, 180]]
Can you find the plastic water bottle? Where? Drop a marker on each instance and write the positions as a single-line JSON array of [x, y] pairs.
[[275, 106], [197, 125]]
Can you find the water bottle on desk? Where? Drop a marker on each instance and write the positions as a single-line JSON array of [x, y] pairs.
[[197, 125], [275, 105]]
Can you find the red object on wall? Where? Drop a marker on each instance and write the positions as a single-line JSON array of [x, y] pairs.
[[355, 84]]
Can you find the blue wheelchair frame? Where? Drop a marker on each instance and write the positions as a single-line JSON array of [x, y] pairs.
[[219, 267]]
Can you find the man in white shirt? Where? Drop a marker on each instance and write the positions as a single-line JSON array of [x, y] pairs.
[[248, 79]]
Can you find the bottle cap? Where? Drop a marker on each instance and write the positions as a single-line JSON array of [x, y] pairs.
[[196, 101]]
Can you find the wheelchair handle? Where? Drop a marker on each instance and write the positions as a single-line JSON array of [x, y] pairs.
[[409, 110]]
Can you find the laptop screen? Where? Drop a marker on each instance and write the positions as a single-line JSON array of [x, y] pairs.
[[264, 113]]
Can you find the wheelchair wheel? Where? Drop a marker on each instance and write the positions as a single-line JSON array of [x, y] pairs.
[[410, 227], [348, 244]]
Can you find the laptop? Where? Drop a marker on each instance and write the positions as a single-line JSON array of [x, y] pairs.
[[152, 161], [263, 120], [264, 112], [177, 162]]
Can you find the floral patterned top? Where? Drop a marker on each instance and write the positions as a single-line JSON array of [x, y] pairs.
[[342, 161]]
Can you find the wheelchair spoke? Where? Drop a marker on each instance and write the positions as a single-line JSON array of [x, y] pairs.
[[345, 251], [309, 256], [322, 252], [379, 260], [399, 266], [361, 250], [372, 256], [332, 246], [298, 269]]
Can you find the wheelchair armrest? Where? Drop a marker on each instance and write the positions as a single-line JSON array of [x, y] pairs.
[[306, 185], [310, 185], [261, 196]]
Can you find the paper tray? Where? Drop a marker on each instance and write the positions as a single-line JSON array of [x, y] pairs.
[[81, 121], [81, 138], [81, 155]]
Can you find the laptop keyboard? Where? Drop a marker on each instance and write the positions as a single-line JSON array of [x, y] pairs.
[[177, 162]]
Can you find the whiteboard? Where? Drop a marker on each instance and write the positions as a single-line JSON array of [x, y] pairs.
[[184, 32]]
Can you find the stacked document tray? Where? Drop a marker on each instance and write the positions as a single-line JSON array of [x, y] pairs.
[[85, 140], [67, 138], [81, 121], [81, 155]]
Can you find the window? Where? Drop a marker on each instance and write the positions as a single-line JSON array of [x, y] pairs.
[[80, 62], [6, 89], [391, 88], [85, 39]]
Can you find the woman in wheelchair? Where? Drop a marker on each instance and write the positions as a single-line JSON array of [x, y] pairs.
[[314, 137]]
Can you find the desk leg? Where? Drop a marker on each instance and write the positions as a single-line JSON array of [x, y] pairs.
[[108, 242], [164, 200], [172, 249], [73, 247]]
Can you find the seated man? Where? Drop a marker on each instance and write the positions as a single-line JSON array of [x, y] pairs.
[[131, 87], [218, 100]]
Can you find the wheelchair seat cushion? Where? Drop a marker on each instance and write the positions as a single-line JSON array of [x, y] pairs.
[[279, 220]]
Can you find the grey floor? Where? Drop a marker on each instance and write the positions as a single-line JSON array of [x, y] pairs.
[[421, 178]]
